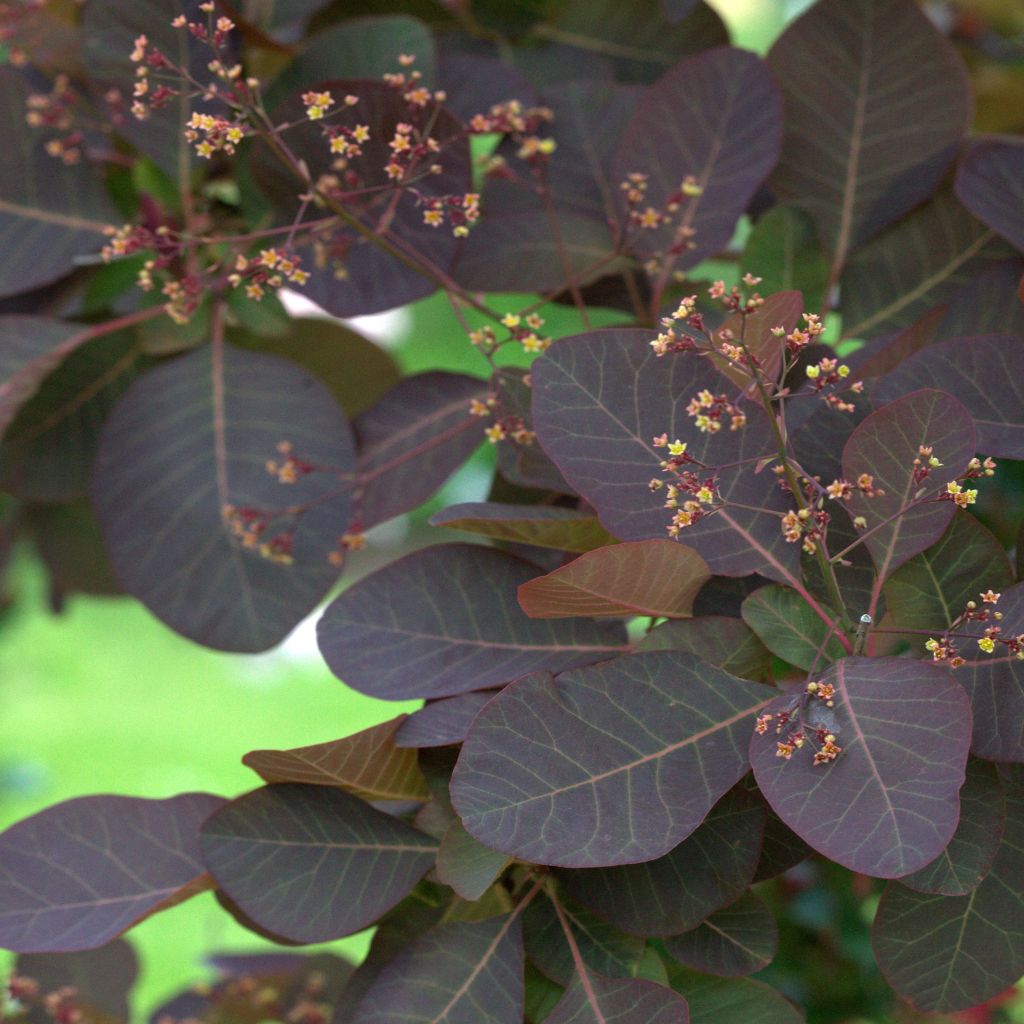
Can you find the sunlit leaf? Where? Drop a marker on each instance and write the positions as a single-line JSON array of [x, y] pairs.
[[989, 183], [344, 863], [445, 620], [80, 873], [659, 578], [367, 763], [888, 804], [193, 436], [789, 627], [946, 953], [738, 939], [627, 757]]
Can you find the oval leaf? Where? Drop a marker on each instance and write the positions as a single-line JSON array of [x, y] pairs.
[[347, 862], [442, 722], [990, 183], [659, 578], [596, 1000], [888, 804], [947, 953], [628, 757], [731, 1000], [188, 439], [466, 865], [368, 764], [736, 940], [79, 874], [444, 620], [790, 628], [884, 446], [719, 640]]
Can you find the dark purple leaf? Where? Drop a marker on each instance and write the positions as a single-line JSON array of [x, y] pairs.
[[102, 979], [990, 183], [724, 595], [717, 639], [884, 446], [659, 578], [717, 117], [467, 866], [31, 347], [790, 628], [473, 83], [639, 41], [49, 212], [674, 893], [351, 274], [915, 265], [873, 122], [367, 47], [818, 440], [738, 939], [888, 804], [987, 304], [49, 448], [878, 357], [995, 683], [627, 756], [193, 436], [445, 620], [368, 764], [930, 590], [545, 526], [946, 953], [602, 947], [82, 872], [600, 399], [346, 863], [966, 860], [676, 10], [355, 370], [781, 850], [465, 973], [442, 722], [596, 1000], [785, 252], [731, 1000], [411, 440], [985, 373]]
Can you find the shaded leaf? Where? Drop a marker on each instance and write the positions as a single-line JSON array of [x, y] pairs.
[[458, 973], [945, 953], [600, 399], [930, 590], [102, 979], [719, 640], [445, 620], [708, 870], [659, 578], [49, 212], [781, 850], [597, 1000], [789, 627], [731, 1000], [345, 863], [542, 995], [878, 357], [473, 83], [544, 526], [985, 373], [355, 370], [995, 683], [466, 865], [717, 117], [189, 438], [411, 440], [884, 446], [987, 304], [80, 873], [966, 860], [640, 42], [627, 756], [738, 939], [602, 946], [442, 722], [916, 264], [888, 804], [49, 448], [784, 250], [873, 122], [367, 764], [782, 309], [990, 183]]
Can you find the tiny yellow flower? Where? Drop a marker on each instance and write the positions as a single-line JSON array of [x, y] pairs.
[[987, 644]]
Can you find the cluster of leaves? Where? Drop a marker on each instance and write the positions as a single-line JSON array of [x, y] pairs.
[[570, 828]]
